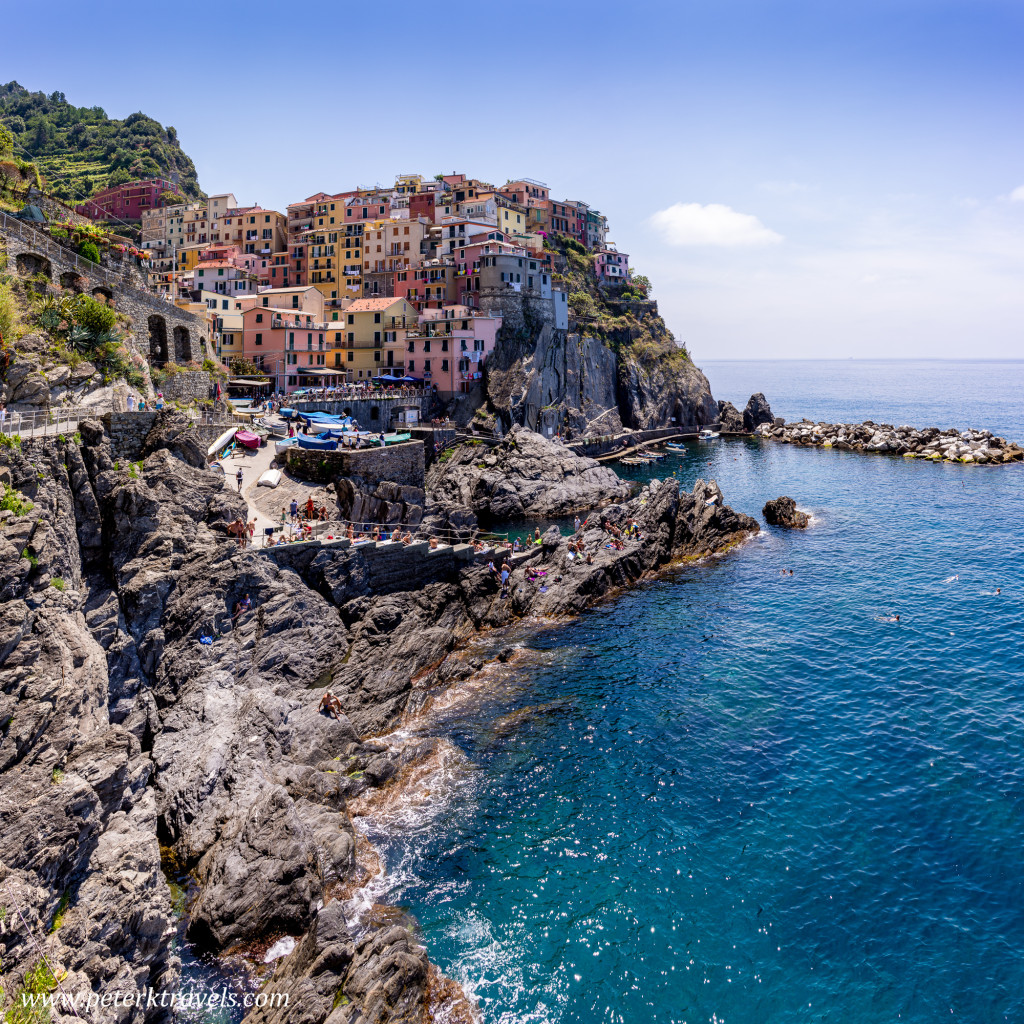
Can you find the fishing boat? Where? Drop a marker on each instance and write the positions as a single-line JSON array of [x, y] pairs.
[[281, 447], [679, 449], [707, 434], [249, 439], [221, 443]]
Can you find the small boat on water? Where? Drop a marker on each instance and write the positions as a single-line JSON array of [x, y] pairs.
[[707, 434], [249, 439], [679, 449]]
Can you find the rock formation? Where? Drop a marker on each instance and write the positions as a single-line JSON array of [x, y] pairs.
[[783, 512], [121, 732], [978, 447], [730, 418], [756, 412], [525, 476]]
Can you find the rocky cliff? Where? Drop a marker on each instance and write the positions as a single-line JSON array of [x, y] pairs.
[[130, 749], [617, 366]]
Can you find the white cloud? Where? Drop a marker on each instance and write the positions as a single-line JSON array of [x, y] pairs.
[[1017, 195], [714, 225]]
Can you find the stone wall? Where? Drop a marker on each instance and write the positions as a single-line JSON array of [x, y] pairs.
[[128, 430], [401, 464], [189, 385], [160, 330], [594, 447]]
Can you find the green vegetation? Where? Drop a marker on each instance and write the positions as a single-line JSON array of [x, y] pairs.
[[89, 251], [81, 151], [11, 325], [242, 367], [58, 582], [58, 914], [82, 327], [57, 776], [12, 501], [32, 560], [39, 981]]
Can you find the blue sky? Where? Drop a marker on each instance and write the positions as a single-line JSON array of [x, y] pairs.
[[796, 178]]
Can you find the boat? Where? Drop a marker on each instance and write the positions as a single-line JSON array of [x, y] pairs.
[[679, 449], [281, 447], [247, 438], [326, 444], [271, 478], [707, 434], [222, 442], [653, 456]]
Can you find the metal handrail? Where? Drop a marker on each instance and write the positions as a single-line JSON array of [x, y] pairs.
[[48, 422]]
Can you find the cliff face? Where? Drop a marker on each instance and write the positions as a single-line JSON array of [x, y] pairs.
[[618, 365]]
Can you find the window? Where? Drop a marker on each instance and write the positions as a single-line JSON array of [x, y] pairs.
[[426, 366], [412, 346], [309, 341], [259, 339], [376, 337], [376, 318], [295, 302], [444, 365], [337, 337], [291, 339], [266, 302], [259, 318], [351, 319], [426, 345], [351, 357], [351, 338], [337, 359], [412, 364], [376, 356], [444, 346]]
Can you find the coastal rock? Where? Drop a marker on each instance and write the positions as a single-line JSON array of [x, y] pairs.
[[526, 475], [757, 412], [139, 712], [730, 418], [783, 512], [660, 392]]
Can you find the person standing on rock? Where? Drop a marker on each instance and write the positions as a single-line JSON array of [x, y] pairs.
[[576, 525]]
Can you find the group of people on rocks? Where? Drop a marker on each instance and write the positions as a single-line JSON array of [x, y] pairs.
[[243, 531]]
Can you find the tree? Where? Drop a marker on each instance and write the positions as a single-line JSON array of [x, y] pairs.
[[6, 142], [641, 283], [242, 367]]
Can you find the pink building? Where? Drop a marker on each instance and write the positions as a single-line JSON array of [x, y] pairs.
[[611, 266], [448, 348], [127, 201]]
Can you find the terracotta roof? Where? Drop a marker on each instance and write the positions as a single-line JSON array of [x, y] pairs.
[[371, 305]]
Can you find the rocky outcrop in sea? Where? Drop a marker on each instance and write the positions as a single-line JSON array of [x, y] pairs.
[[979, 447], [146, 730], [783, 512]]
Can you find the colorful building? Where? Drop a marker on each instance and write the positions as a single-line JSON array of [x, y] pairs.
[[611, 266], [368, 327], [128, 201]]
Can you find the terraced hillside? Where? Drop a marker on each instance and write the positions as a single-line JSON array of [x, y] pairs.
[[80, 151]]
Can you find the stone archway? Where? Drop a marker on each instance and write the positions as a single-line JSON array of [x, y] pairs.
[[157, 340], [29, 263], [182, 345], [72, 281], [103, 294]]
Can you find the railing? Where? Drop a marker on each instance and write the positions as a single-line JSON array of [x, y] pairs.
[[43, 424]]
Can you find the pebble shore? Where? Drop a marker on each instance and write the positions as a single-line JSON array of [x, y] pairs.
[[977, 447]]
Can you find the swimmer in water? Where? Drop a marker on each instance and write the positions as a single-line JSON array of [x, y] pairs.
[[951, 579], [887, 618], [999, 590]]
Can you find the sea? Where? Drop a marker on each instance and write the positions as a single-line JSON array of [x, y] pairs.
[[742, 793]]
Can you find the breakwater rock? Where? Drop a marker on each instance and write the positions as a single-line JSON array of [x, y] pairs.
[[526, 475], [756, 412], [142, 725], [783, 512], [979, 447]]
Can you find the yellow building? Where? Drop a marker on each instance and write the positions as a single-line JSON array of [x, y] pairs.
[[350, 262], [511, 217], [367, 328]]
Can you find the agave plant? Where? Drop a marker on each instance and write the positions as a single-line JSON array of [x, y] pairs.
[[79, 339]]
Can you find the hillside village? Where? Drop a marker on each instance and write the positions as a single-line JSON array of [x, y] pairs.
[[413, 280]]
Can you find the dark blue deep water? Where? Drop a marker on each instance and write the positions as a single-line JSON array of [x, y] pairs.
[[737, 797]]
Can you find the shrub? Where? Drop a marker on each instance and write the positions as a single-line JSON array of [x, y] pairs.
[[10, 314], [32, 560], [10, 441], [58, 582], [12, 501], [96, 317], [89, 251]]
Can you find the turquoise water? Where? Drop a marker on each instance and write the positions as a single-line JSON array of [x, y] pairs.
[[734, 796]]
